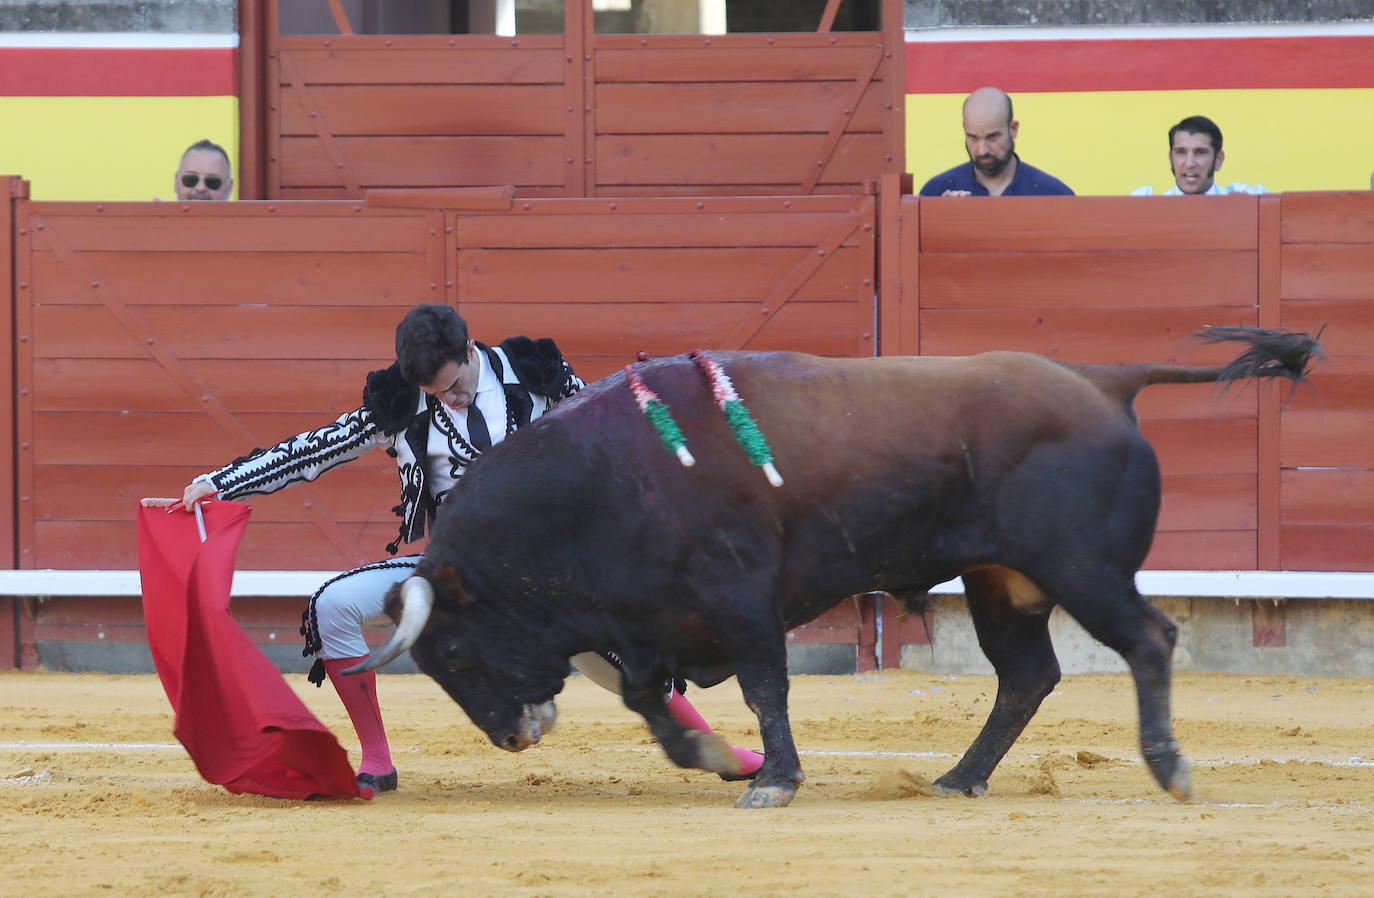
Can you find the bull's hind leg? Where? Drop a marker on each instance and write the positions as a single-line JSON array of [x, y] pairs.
[[1121, 619], [1011, 618]]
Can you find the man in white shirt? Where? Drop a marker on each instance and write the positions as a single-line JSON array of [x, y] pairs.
[[1195, 156]]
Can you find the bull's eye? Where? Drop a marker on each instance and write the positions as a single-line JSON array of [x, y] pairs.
[[451, 657]]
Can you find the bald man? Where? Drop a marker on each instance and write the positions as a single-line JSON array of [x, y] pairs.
[[993, 168]]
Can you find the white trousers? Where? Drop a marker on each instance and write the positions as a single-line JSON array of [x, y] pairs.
[[355, 599]]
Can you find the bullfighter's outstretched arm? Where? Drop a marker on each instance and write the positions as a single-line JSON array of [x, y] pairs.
[[298, 459]]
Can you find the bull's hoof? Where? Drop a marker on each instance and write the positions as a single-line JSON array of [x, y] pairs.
[[1172, 770], [1181, 784], [973, 790], [757, 796]]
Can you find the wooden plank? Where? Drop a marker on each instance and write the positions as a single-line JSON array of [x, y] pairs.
[[427, 161], [1328, 548], [1327, 439], [1116, 280], [1203, 447], [838, 189], [896, 308], [1095, 223], [275, 227], [1344, 384], [650, 159], [815, 60], [1268, 265], [1328, 271], [159, 438], [265, 546], [710, 227], [266, 385], [213, 277], [445, 200], [361, 491], [1202, 550], [1183, 401], [348, 62], [823, 328], [651, 274], [12, 189], [300, 92], [1209, 502], [429, 110], [1327, 497], [1328, 217], [689, 205], [1079, 334], [252, 93], [226, 332], [748, 107]]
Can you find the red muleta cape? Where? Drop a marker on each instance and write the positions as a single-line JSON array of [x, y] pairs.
[[242, 724]]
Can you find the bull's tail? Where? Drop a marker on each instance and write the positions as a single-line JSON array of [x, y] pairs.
[[1271, 354]]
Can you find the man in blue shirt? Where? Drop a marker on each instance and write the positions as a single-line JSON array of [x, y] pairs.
[[993, 168]]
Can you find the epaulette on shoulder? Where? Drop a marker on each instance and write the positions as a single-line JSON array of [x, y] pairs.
[[538, 364], [391, 399]]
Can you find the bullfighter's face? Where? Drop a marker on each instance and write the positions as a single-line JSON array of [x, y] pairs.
[[455, 384], [509, 701]]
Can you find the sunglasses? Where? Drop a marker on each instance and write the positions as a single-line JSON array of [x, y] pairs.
[[212, 182]]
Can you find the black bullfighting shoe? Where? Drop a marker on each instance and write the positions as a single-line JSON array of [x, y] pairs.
[[369, 784]]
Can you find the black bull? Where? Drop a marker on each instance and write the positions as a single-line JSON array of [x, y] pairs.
[[1026, 477]]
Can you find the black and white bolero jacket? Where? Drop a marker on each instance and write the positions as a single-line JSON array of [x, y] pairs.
[[398, 416]]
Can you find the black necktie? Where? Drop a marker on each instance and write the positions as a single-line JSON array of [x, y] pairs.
[[477, 427]]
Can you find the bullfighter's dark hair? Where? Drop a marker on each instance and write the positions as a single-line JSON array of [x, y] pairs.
[[1197, 124], [429, 337]]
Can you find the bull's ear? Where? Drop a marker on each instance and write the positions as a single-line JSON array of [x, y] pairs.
[[448, 585]]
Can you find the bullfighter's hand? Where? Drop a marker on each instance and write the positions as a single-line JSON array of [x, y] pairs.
[[195, 491], [957, 193]]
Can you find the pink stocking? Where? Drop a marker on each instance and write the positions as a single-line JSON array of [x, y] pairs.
[[683, 712], [359, 694]]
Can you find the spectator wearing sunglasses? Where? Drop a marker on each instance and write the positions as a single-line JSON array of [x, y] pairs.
[[204, 173]]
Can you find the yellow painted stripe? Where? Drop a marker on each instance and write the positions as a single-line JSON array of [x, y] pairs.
[[1109, 143], [109, 148]]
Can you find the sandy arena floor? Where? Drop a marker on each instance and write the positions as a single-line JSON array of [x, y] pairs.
[[96, 798]]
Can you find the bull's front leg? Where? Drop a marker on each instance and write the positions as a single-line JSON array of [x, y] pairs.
[[763, 680], [684, 746]]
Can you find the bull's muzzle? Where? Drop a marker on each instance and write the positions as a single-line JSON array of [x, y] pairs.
[[535, 721]]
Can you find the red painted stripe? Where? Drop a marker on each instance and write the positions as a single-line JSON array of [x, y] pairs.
[[1173, 64], [117, 72]]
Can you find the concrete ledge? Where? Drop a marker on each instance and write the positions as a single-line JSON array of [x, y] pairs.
[[1314, 637], [1224, 584]]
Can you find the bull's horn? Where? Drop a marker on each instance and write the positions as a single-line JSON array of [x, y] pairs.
[[417, 600]]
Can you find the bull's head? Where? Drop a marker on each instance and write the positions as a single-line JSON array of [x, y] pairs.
[[504, 683]]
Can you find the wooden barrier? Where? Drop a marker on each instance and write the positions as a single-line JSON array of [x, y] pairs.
[[155, 341]]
